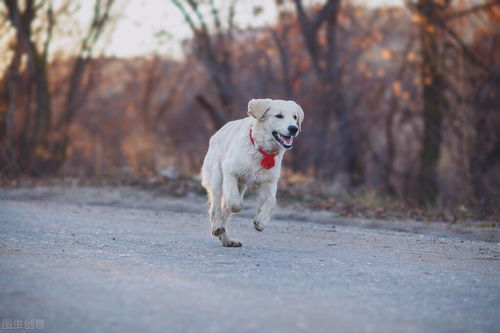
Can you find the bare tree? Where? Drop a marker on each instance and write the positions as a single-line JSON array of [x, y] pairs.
[[213, 50], [22, 21], [38, 147], [434, 100], [436, 37], [320, 33], [281, 40], [76, 92]]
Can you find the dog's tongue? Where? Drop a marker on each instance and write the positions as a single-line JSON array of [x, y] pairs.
[[287, 140]]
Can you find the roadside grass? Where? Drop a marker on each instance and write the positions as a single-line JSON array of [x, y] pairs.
[[295, 191]]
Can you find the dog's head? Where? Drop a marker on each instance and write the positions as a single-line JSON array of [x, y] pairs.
[[277, 119]]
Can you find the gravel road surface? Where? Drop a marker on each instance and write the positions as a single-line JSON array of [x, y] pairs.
[[78, 267]]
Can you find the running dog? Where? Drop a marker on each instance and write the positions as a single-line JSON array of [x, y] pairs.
[[245, 152]]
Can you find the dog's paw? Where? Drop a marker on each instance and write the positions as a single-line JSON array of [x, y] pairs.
[[235, 207], [219, 231], [258, 226], [232, 243]]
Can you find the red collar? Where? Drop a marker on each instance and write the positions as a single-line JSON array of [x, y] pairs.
[[268, 160]]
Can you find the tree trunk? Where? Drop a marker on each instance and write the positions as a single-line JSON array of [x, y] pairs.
[[343, 148], [11, 92], [73, 97], [43, 108], [37, 63], [433, 103]]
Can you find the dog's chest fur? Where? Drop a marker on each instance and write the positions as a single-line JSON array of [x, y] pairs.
[[249, 171]]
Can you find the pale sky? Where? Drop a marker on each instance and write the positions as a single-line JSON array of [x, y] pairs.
[[147, 27], [138, 32]]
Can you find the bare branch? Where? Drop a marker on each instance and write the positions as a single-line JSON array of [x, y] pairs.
[[50, 28], [186, 15], [194, 6], [96, 27], [216, 18], [472, 10], [436, 17], [328, 11], [217, 119]]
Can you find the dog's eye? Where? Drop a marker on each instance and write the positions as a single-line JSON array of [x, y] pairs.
[[279, 116], [294, 117]]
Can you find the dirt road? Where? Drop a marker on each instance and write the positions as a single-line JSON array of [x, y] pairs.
[[84, 267]]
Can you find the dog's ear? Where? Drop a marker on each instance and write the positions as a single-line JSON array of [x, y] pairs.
[[301, 116], [257, 108]]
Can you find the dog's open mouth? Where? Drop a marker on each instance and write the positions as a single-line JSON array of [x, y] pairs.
[[285, 141]]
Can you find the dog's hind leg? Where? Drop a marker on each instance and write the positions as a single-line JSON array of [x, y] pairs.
[[214, 212], [218, 212], [225, 217], [223, 237], [212, 181]]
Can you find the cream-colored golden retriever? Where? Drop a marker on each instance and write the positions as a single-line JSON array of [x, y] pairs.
[[244, 152]]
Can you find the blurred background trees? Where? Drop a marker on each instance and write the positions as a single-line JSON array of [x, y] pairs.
[[39, 142], [401, 98]]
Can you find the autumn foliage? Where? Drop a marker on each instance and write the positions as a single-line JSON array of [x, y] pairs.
[[402, 101]]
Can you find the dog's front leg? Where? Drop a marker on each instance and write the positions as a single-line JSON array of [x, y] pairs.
[[267, 204], [230, 191]]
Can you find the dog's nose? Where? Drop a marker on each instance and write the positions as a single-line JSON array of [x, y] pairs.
[[293, 129]]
